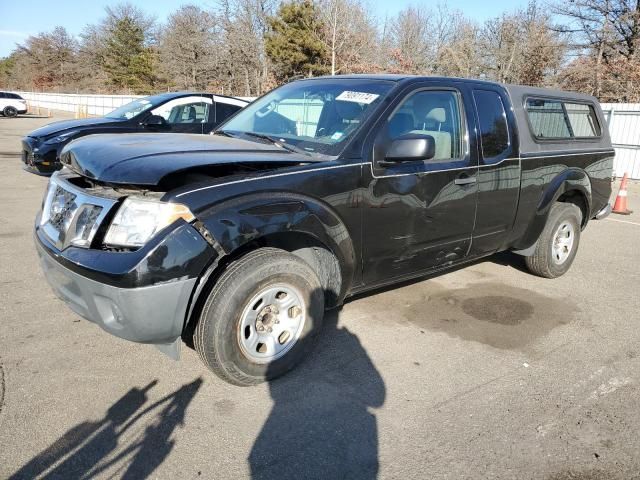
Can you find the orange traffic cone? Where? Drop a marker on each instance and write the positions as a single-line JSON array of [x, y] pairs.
[[620, 206]]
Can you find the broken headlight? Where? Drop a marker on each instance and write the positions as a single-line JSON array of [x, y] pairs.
[[138, 220]]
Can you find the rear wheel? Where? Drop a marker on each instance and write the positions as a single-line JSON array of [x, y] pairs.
[[10, 111], [260, 318], [558, 242]]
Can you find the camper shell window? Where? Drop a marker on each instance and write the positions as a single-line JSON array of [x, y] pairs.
[[556, 119]]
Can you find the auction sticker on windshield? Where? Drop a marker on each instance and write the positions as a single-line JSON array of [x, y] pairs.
[[358, 97]]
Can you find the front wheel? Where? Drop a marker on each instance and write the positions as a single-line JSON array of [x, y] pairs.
[[558, 242], [10, 111], [260, 318]]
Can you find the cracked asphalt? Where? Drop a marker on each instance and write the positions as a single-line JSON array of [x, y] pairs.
[[483, 372]]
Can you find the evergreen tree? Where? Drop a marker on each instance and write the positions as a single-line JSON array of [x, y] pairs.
[[129, 59], [292, 45]]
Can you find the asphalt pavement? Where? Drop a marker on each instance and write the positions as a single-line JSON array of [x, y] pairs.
[[484, 372]]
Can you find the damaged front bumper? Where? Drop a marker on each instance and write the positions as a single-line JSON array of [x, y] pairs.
[[142, 296]]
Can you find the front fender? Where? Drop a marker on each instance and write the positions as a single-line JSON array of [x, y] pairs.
[[251, 217], [569, 180]]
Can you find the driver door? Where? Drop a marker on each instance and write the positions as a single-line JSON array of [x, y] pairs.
[[419, 215]]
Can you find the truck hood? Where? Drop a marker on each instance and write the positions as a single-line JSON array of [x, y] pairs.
[[56, 128], [146, 158]]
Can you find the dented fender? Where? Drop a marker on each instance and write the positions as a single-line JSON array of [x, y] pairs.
[[251, 217]]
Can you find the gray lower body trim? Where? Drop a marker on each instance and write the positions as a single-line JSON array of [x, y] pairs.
[[153, 314], [527, 252], [604, 213]]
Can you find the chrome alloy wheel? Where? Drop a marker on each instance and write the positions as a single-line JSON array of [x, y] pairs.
[[271, 323], [562, 243]]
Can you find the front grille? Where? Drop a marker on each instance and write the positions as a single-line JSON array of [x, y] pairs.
[[70, 216]]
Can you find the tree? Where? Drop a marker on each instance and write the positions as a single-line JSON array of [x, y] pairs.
[[608, 32], [245, 67], [348, 33], [292, 45], [91, 76], [460, 55], [410, 41], [128, 55], [189, 48], [7, 66], [521, 47], [424, 41], [45, 61]]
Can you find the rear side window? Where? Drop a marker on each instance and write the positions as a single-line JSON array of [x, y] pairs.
[[556, 119], [493, 123], [583, 120], [225, 110]]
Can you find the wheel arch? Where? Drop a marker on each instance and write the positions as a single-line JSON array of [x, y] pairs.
[[306, 227], [570, 186]]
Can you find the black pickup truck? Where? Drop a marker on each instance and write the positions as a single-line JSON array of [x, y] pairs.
[[237, 242]]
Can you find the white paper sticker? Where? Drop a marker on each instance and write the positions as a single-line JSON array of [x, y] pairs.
[[336, 136], [357, 97]]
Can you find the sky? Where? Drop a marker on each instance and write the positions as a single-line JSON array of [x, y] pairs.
[[21, 18]]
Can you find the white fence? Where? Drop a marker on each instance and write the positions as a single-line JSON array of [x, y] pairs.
[[624, 127], [71, 102]]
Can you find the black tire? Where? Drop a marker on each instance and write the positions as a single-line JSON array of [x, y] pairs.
[[10, 112], [217, 334], [545, 262]]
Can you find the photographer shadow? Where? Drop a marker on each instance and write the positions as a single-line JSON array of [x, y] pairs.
[[91, 448]]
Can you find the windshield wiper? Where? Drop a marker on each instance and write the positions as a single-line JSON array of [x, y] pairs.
[[225, 133], [277, 142]]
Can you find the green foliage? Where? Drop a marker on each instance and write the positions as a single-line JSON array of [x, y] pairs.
[[293, 45], [128, 61]]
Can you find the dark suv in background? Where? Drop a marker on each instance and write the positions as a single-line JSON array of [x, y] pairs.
[[177, 112]]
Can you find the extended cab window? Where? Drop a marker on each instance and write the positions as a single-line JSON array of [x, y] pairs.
[[434, 113], [556, 119], [493, 123]]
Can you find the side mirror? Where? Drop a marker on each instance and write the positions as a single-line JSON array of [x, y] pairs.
[[409, 148], [154, 121]]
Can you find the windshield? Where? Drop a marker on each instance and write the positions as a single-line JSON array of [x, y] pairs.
[[131, 109], [314, 116]]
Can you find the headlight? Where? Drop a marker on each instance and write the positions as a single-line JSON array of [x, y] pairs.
[[138, 220], [62, 137]]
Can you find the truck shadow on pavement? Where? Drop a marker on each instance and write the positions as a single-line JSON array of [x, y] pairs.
[[320, 425], [90, 448]]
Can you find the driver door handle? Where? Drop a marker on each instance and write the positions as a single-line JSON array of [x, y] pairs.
[[465, 180]]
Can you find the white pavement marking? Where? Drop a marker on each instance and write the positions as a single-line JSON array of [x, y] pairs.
[[622, 221]]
